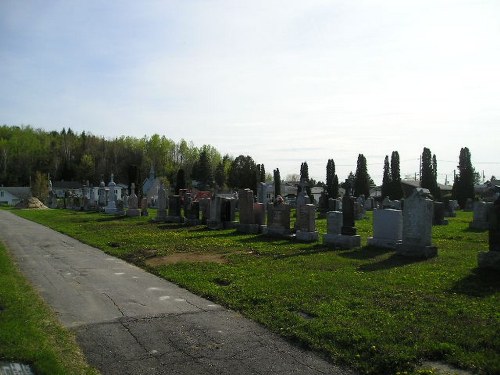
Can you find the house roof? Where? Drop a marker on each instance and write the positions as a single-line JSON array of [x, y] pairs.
[[18, 191], [416, 183]]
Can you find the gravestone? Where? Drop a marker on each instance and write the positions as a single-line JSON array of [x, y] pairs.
[[370, 204], [161, 213], [111, 206], [205, 210], [359, 209], [480, 216], [491, 258], [334, 204], [259, 211], [387, 228], [228, 212], [193, 214], [133, 203], [102, 194], [278, 219], [450, 207], [306, 228], [247, 212], [262, 192], [174, 209], [438, 216], [15, 368], [417, 226], [215, 220], [334, 225], [469, 204], [348, 227], [144, 207], [323, 204]]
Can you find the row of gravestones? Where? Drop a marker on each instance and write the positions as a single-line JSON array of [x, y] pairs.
[[408, 231]]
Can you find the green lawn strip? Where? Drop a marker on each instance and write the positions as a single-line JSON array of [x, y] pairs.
[[29, 331], [366, 307]]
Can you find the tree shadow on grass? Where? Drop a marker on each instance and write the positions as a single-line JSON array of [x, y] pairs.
[[474, 230], [481, 282], [365, 252], [171, 226], [395, 260]]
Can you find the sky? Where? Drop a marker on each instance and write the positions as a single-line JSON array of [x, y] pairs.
[[283, 81]]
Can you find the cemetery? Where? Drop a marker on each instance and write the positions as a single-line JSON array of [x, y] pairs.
[[361, 283]]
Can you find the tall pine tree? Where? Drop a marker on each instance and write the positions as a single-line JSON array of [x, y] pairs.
[[386, 180], [332, 181], [396, 190], [463, 187], [429, 173], [361, 179]]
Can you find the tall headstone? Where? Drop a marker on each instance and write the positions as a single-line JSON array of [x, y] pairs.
[[480, 216], [306, 229], [111, 206], [102, 194], [215, 220], [228, 212], [417, 226], [450, 207], [192, 214], [348, 226], [387, 228], [334, 223], [161, 213], [262, 192], [247, 213], [133, 203], [205, 209], [144, 207], [174, 209], [491, 258]]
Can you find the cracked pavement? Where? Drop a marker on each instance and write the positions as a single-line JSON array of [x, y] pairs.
[[128, 321]]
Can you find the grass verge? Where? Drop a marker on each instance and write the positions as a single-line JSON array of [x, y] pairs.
[[367, 308], [29, 331]]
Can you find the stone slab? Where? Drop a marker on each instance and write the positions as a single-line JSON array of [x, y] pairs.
[[342, 241], [388, 243], [306, 236], [15, 368]]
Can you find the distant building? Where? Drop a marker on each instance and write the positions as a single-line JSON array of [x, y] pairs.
[[410, 185], [13, 195]]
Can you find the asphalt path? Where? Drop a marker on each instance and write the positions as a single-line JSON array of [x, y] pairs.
[[128, 321]]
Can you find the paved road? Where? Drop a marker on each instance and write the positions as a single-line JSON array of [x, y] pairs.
[[128, 321]]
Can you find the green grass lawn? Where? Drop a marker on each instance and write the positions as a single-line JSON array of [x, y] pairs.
[[29, 331], [366, 307]]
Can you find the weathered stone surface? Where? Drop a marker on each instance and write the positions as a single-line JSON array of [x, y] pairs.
[[417, 227], [387, 228]]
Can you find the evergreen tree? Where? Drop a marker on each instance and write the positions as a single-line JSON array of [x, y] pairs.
[[361, 178], [332, 181], [396, 190], [463, 186], [243, 173], [220, 175], [429, 173], [204, 171], [304, 171], [261, 173], [386, 180], [277, 182]]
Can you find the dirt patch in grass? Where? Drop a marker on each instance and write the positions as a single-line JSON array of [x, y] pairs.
[[186, 257]]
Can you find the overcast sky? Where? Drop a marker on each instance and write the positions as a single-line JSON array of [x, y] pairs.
[[282, 81]]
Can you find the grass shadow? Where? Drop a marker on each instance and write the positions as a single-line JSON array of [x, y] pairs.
[[395, 260], [365, 252], [474, 230], [171, 226], [481, 282]]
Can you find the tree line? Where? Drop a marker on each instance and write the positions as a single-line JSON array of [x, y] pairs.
[[27, 153]]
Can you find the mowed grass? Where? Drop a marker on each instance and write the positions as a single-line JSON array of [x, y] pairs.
[[29, 332], [366, 308]]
